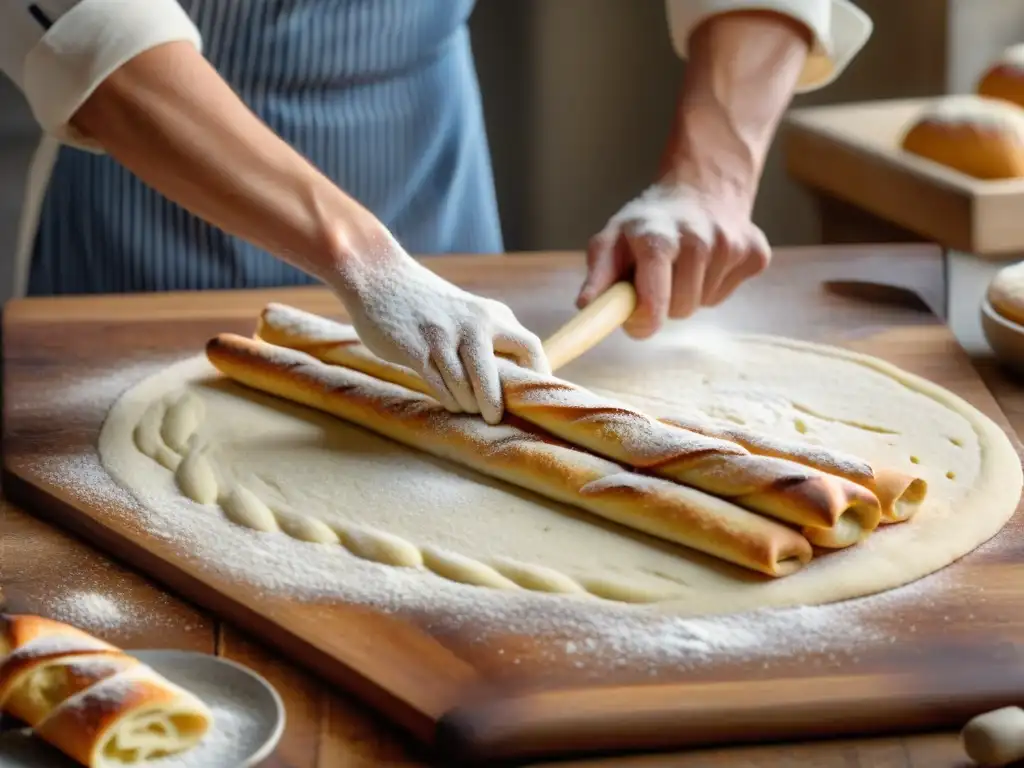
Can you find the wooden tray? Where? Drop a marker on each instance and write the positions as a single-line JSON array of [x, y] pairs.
[[851, 152], [945, 654]]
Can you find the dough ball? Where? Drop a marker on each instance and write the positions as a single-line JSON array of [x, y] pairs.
[[983, 138]]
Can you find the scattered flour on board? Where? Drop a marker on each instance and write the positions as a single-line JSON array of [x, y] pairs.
[[89, 610], [596, 636]]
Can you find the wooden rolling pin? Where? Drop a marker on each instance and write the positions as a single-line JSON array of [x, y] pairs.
[[591, 325], [996, 737]]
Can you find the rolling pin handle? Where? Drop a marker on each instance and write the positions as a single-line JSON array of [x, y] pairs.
[[591, 325], [995, 738]]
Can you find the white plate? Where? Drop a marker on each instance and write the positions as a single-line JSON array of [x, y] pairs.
[[248, 717]]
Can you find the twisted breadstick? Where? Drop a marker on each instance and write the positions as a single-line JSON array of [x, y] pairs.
[[832, 511], [91, 700], [899, 494], [517, 455]]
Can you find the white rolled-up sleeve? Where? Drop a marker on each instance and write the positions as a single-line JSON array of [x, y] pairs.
[[840, 30], [58, 51]]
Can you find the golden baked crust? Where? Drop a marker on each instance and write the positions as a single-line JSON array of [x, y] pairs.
[[27, 641], [983, 139], [898, 494], [82, 728], [1004, 79], [831, 510], [81, 695], [65, 676], [517, 453]]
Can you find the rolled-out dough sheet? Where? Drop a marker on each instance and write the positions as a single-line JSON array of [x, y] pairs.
[[312, 477]]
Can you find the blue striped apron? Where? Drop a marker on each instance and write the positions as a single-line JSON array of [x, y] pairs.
[[381, 95]]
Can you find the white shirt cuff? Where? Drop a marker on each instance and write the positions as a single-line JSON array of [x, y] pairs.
[[840, 30], [88, 43]]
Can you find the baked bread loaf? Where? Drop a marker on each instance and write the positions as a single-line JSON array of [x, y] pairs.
[[831, 511], [517, 454], [983, 138], [1004, 79], [1006, 293], [90, 700], [900, 495]]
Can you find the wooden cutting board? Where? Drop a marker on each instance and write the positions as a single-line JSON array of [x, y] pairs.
[[946, 652]]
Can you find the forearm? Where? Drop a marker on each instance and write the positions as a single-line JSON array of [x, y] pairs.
[[742, 72], [169, 118]]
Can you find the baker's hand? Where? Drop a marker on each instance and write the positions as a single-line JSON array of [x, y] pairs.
[[406, 314], [685, 249]]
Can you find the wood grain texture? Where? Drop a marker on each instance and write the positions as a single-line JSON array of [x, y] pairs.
[[851, 152], [58, 338]]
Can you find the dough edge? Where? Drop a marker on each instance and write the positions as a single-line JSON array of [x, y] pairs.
[[995, 496]]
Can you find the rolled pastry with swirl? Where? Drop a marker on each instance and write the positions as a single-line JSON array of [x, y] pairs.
[[899, 495], [90, 700], [517, 454], [830, 510]]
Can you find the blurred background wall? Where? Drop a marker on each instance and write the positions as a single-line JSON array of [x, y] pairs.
[[579, 93], [18, 138]]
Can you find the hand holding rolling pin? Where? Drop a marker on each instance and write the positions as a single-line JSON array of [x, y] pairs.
[[136, 87], [689, 240]]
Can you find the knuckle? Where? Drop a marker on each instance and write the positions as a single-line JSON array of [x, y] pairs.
[[694, 237], [658, 252]]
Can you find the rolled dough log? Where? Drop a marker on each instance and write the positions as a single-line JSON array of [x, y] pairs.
[[375, 509], [91, 700], [518, 456], [831, 510], [899, 493]]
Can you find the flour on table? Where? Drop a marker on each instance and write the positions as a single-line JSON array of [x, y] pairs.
[[89, 611]]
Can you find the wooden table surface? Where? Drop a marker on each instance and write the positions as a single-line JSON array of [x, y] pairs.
[[40, 564]]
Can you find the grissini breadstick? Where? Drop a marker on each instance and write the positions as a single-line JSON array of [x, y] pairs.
[[899, 494], [832, 511], [92, 701], [518, 455]]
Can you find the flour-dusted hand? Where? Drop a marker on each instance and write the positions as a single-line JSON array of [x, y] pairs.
[[689, 241], [685, 249], [408, 315]]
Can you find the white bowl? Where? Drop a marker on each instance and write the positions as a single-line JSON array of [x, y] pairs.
[[1004, 336]]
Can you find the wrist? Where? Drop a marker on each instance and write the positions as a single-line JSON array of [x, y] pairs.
[[708, 154], [740, 77], [359, 250]]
